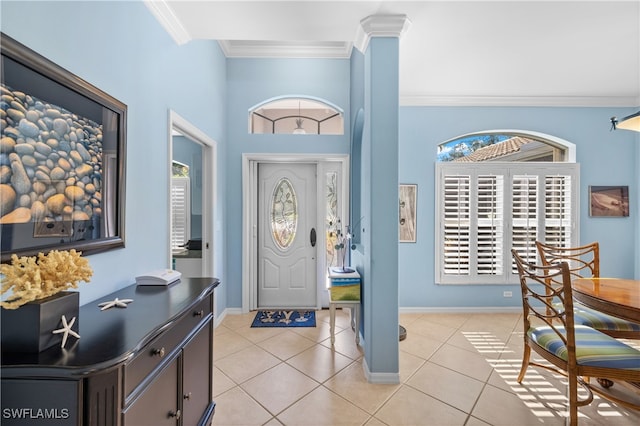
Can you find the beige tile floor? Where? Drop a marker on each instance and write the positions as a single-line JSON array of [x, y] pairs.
[[455, 369]]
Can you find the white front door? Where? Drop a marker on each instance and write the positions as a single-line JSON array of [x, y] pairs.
[[287, 235]]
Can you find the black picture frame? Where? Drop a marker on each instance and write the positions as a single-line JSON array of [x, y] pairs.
[[62, 159]]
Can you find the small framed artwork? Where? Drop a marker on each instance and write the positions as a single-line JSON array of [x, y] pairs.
[[407, 213], [608, 201]]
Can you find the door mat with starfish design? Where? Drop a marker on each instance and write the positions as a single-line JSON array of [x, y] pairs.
[[293, 318]]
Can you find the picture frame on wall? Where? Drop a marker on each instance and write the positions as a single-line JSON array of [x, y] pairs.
[[407, 213], [65, 144], [609, 201]]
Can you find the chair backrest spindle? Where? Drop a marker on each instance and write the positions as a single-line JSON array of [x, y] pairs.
[[584, 261]]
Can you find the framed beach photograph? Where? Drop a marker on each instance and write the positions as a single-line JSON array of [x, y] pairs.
[[63, 146], [608, 201], [407, 213]]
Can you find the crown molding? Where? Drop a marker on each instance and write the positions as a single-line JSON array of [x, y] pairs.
[[521, 101], [380, 26], [283, 49], [163, 13]]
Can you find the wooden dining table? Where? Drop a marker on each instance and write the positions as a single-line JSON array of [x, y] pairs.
[[614, 296]]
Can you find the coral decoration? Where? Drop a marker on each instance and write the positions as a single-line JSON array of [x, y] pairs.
[[33, 278]]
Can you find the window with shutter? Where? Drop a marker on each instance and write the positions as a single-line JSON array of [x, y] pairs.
[[180, 212], [485, 209]]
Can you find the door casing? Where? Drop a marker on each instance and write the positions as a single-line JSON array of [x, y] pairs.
[[209, 195], [250, 215]]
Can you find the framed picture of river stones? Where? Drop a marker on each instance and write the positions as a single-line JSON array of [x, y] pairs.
[[62, 158]]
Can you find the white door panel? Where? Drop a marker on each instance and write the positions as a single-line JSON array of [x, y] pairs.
[[286, 215]]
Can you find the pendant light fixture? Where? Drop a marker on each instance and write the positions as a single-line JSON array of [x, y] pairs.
[[630, 122], [299, 130]]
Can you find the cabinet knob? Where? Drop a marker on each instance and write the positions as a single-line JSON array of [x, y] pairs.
[[187, 395], [198, 313], [158, 352], [175, 414]]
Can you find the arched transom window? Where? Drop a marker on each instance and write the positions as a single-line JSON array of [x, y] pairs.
[[296, 115], [506, 147]]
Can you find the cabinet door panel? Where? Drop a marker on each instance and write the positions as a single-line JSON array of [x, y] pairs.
[[41, 402], [197, 376], [158, 404]]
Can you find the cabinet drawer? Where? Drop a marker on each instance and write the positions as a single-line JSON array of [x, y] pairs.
[[152, 354]]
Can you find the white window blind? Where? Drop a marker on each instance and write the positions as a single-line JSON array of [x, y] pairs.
[[490, 208], [524, 216], [483, 210], [456, 215], [180, 212]]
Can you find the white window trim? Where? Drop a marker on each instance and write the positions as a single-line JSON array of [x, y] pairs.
[[508, 170]]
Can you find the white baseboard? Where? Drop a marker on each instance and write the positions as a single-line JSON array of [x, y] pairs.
[[380, 378], [463, 310], [222, 316]]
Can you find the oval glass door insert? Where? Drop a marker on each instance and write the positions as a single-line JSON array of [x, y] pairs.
[[284, 214]]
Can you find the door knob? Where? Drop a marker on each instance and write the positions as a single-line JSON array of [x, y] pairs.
[[312, 237]]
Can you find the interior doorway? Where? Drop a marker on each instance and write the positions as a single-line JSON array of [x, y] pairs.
[[195, 192], [329, 168]]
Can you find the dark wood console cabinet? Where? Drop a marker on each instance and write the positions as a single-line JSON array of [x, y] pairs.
[[149, 364]]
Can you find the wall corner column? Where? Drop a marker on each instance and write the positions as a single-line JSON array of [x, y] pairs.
[[379, 41]]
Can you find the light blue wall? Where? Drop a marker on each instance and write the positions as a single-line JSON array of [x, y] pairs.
[[120, 48], [636, 202], [605, 157], [356, 131], [251, 81]]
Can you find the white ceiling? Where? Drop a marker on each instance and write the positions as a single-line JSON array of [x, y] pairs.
[[475, 52]]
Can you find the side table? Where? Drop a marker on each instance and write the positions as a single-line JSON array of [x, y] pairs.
[[344, 291], [354, 306]]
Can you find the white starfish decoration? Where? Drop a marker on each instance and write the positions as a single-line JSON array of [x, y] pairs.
[[66, 329], [115, 303]]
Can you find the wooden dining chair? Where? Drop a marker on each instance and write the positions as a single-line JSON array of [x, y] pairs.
[[584, 262], [575, 351]]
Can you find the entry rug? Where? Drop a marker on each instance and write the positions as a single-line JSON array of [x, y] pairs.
[[267, 318]]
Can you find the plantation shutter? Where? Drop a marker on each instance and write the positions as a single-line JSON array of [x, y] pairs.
[[524, 214], [490, 211], [557, 214], [180, 212], [457, 217], [484, 210]]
